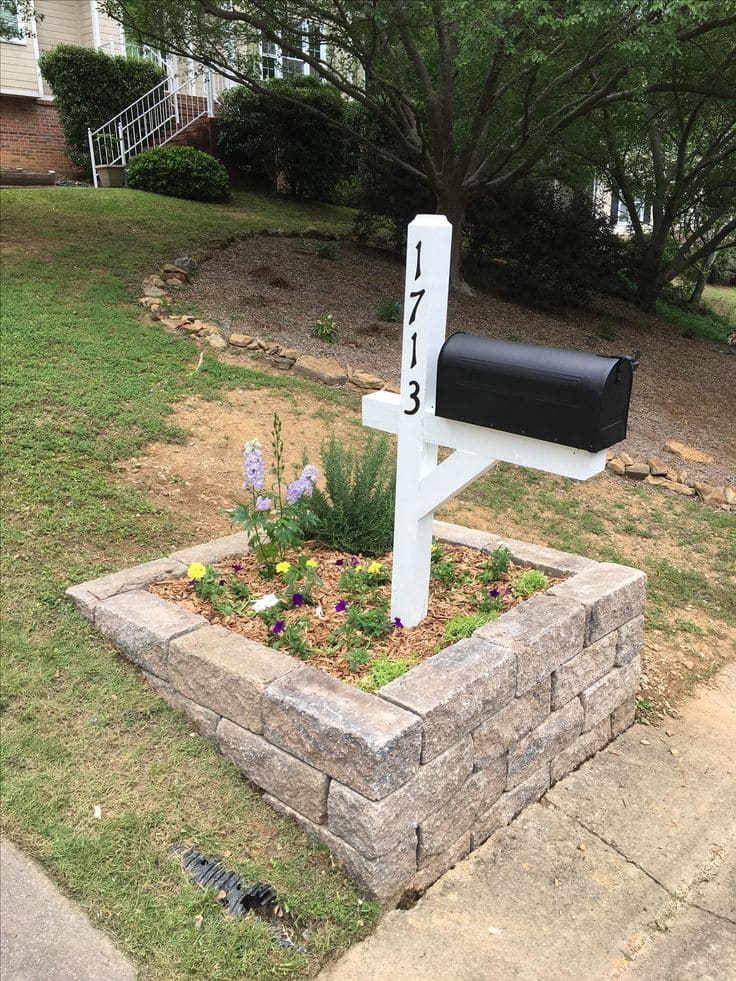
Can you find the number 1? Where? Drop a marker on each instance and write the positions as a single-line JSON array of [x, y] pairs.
[[418, 273]]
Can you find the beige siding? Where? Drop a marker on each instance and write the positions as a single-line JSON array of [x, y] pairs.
[[62, 22], [18, 68], [109, 29]]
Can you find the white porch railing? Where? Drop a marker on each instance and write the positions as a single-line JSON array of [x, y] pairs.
[[156, 118]]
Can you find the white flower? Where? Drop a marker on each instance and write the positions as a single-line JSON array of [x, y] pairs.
[[265, 602], [319, 612]]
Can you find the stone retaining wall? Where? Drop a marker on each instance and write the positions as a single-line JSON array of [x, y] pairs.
[[401, 784]]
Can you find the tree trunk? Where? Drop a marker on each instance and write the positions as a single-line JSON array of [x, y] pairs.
[[648, 281], [696, 296], [451, 203]]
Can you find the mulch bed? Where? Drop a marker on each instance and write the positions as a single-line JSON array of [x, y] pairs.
[[277, 287], [417, 643]]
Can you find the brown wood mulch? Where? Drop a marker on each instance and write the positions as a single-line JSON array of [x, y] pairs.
[[277, 287], [417, 643]]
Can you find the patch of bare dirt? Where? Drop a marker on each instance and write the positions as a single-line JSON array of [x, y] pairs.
[[278, 287]]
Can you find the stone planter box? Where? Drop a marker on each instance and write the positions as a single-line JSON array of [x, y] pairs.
[[403, 783], [111, 175]]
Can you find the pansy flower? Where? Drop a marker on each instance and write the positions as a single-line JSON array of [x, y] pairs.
[[297, 599], [397, 624], [494, 593], [339, 561], [278, 626], [340, 606]]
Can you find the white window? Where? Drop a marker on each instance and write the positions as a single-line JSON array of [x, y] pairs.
[[11, 26], [277, 64]]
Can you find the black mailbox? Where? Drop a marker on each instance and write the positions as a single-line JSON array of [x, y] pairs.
[[568, 397]]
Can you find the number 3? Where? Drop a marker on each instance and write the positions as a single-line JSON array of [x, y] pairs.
[[414, 396]]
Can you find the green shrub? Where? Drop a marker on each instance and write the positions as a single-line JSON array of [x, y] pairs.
[[268, 138], [179, 172], [384, 670], [91, 87], [526, 583], [325, 329], [463, 626], [355, 512], [389, 311]]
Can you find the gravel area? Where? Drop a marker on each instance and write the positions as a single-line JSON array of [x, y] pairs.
[[278, 287]]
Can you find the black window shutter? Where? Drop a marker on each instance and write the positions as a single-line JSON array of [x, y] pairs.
[[614, 206]]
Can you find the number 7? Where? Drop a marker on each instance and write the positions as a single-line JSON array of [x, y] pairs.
[[418, 294]]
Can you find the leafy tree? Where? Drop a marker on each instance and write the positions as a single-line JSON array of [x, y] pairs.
[[471, 92], [674, 152]]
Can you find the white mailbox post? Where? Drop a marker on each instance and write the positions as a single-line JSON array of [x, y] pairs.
[[422, 485]]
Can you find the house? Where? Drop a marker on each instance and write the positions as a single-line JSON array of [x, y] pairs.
[[179, 111], [608, 203]]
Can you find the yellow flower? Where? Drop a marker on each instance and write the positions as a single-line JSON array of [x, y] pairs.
[[283, 566], [374, 567], [435, 546], [311, 563], [358, 568], [196, 570]]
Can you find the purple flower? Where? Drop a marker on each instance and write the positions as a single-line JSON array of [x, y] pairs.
[[193, 582], [254, 471], [507, 591], [236, 567], [278, 626], [339, 561], [340, 606], [493, 593], [354, 560], [221, 582], [397, 623], [263, 503], [296, 490], [309, 475], [297, 599]]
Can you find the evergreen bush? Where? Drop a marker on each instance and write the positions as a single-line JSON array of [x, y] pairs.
[[270, 139], [91, 87], [179, 172], [355, 512]]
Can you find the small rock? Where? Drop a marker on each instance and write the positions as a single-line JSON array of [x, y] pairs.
[[325, 370], [687, 452], [627, 460], [253, 346], [153, 281], [193, 328], [155, 292], [657, 468], [273, 349], [240, 340], [730, 494], [644, 742], [364, 379], [672, 485], [217, 341], [289, 352], [172, 323], [610, 455], [278, 362], [638, 471], [150, 302], [711, 494], [261, 344], [186, 263], [617, 466], [173, 283]]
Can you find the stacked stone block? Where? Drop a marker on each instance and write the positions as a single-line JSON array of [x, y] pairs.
[[402, 784]]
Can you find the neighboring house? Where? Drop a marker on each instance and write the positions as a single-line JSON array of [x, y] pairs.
[[608, 203]]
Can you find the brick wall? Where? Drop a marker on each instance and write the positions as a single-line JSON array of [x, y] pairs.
[[31, 138]]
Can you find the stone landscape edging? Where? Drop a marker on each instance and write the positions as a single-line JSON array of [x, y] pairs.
[[403, 783]]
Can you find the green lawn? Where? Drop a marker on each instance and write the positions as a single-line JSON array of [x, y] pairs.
[[722, 299], [86, 383]]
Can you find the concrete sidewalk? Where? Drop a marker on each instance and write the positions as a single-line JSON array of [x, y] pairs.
[[43, 935], [626, 869]]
